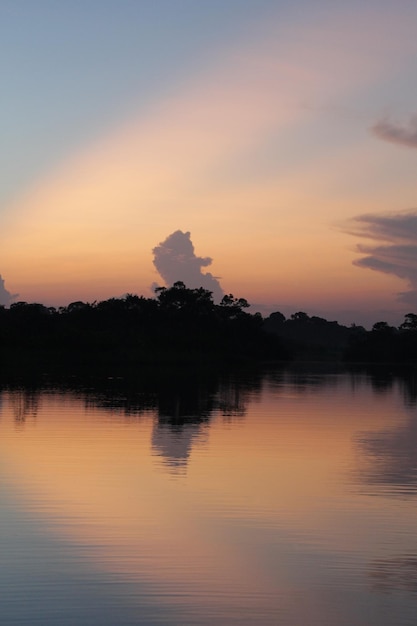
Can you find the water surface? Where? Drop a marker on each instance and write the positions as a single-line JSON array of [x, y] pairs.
[[283, 498]]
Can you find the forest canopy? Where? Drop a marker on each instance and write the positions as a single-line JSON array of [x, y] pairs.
[[183, 325]]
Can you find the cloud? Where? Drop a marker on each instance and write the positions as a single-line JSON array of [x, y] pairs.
[[396, 227], [405, 135], [5, 296], [396, 250], [175, 260], [228, 149]]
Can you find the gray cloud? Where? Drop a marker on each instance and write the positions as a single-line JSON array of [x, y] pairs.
[[175, 260], [396, 227], [405, 135], [395, 248], [5, 296]]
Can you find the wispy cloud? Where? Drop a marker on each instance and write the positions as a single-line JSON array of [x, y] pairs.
[[403, 134], [396, 250]]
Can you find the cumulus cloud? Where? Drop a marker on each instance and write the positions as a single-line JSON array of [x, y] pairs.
[[403, 134], [394, 247], [175, 260], [5, 296]]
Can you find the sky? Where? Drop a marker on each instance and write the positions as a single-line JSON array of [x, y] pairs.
[[276, 140]]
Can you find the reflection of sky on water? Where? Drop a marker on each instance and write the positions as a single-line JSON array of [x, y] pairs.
[[387, 461], [48, 580], [265, 521], [394, 573]]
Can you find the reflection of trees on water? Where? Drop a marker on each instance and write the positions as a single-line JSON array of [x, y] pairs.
[[231, 402], [128, 403], [396, 573], [384, 380], [182, 405], [25, 404], [185, 413], [388, 458], [409, 386], [233, 395]]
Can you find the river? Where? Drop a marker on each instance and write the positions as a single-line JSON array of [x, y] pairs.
[[285, 497]]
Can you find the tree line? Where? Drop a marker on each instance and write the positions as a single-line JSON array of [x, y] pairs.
[[178, 325], [183, 325], [315, 338]]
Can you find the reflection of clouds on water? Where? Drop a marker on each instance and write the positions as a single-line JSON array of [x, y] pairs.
[[181, 406], [185, 414], [184, 417], [396, 573], [387, 460], [389, 457], [174, 443]]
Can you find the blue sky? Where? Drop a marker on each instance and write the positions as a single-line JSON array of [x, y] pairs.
[[266, 129], [72, 69]]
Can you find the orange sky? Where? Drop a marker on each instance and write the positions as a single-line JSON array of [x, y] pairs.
[[263, 151]]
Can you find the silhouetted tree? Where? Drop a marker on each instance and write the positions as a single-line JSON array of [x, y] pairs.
[[410, 322], [179, 298], [309, 338], [179, 325]]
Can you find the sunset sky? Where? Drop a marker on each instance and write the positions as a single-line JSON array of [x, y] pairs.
[[281, 135]]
